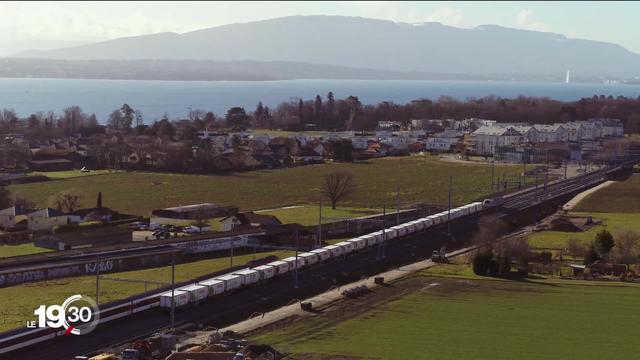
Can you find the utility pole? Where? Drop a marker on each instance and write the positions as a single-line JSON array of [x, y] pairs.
[[565, 169], [381, 248], [319, 236], [97, 280], [173, 287], [231, 248], [524, 167], [295, 284], [398, 204], [493, 171], [449, 210]]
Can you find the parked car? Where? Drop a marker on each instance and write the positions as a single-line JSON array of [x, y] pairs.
[[191, 230]]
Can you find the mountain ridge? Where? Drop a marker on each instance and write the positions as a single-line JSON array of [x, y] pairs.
[[358, 42]]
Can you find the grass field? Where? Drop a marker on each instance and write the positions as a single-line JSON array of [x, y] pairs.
[[22, 249], [621, 197], [57, 175], [18, 302], [421, 179], [617, 205], [308, 215], [613, 222], [453, 318]]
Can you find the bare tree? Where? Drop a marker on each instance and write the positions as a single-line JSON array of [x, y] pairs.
[[627, 246], [66, 200], [575, 248], [337, 186], [490, 229]]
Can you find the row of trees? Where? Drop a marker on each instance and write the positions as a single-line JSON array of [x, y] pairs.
[[329, 113]]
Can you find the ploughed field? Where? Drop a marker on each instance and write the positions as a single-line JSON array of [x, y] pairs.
[[448, 313], [419, 178]]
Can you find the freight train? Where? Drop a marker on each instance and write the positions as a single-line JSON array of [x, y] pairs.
[[192, 294]]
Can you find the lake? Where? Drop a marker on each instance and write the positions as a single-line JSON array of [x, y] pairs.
[[155, 98]]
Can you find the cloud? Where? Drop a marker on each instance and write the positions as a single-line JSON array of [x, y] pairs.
[[524, 20], [448, 16]]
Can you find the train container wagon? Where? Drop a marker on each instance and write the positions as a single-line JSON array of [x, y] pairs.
[[323, 254], [358, 243], [294, 263], [390, 233], [231, 281], [248, 276], [215, 287], [335, 250], [180, 299], [309, 258], [196, 292], [266, 271], [418, 224], [281, 266], [401, 230], [346, 246], [370, 239]]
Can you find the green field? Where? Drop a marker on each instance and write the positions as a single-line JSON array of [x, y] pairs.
[[421, 179], [57, 175], [612, 222], [22, 249], [617, 205], [308, 215], [453, 318], [621, 197], [18, 302]]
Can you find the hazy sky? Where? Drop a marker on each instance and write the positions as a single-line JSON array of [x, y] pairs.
[[45, 25]]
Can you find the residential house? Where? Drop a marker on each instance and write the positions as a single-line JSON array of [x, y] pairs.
[[551, 133], [249, 220], [444, 141], [610, 127], [575, 131], [397, 142], [10, 218], [307, 155], [47, 219], [529, 133], [361, 142], [486, 138]]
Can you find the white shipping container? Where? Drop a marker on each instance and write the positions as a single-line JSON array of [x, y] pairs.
[[266, 271], [371, 239], [248, 276], [323, 254], [180, 298], [293, 263], [196, 292], [335, 250], [309, 258], [215, 286], [230, 281], [346, 246], [281, 266], [390, 233], [359, 243], [418, 225]]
